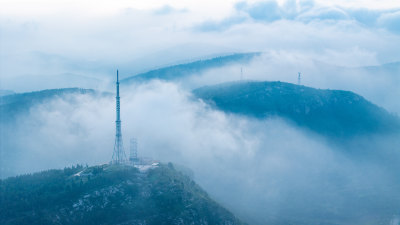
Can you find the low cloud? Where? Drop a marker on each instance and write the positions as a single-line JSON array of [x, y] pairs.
[[332, 70], [263, 170]]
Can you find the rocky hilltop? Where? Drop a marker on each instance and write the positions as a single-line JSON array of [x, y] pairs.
[[108, 194]]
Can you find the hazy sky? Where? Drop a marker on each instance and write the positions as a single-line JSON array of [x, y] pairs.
[[213, 8], [92, 38]]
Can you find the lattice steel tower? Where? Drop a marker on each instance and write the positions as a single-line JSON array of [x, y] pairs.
[[119, 156]]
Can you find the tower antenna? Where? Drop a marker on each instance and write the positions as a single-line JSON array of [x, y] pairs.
[[119, 156]]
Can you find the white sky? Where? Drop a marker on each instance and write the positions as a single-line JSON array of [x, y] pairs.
[[46, 37], [213, 8]]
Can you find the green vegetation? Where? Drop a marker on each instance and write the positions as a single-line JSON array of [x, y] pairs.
[[330, 112], [108, 195]]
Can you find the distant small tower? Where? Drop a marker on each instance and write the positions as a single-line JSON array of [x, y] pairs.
[[299, 79], [133, 157], [241, 73], [119, 156]]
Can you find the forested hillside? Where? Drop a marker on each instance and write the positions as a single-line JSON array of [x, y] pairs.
[[330, 112], [108, 195]]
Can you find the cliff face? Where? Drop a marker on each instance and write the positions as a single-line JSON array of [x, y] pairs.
[[108, 195]]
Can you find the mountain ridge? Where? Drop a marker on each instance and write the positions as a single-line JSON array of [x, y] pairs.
[[14, 104], [181, 70], [330, 112]]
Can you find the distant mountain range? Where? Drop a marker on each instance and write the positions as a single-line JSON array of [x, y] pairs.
[[390, 68], [14, 104], [30, 82], [40, 96], [6, 92], [108, 194], [329, 112], [182, 70]]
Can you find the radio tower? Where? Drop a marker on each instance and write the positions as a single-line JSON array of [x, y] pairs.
[[118, 154]]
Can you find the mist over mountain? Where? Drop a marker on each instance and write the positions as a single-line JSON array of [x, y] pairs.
[[6, 92], [329, 112], [16, 112], [53, 81], [13, 105], [209, 85], [270, 159], [181, 71], [392, 68]]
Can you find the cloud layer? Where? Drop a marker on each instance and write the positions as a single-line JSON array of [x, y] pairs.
[[265, 171]]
